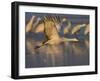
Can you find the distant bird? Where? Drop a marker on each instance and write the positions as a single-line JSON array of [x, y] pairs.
[[87, 29], [30, 24], [77, 28], [67, 28]]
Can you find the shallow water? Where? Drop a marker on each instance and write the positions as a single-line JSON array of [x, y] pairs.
[[66, 54]]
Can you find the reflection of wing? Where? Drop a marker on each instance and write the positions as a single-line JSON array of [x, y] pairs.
[[30, 46], [87, 29], [30, 24], [87, 43], [77, 28], [77, 50]]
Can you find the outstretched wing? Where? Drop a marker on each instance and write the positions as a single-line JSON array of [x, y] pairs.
[[30, 24], [50, 29], [66, 29], [77, 28], [39, 28]]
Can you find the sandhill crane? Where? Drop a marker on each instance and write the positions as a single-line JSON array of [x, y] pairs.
[[51, 33], [49, 27]]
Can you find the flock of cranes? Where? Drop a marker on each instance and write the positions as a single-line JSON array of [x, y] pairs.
[[51, 25]]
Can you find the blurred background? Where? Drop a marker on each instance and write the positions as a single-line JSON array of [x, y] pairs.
[[66, 54]]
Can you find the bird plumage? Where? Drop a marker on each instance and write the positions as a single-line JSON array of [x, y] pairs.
[[49, 27]]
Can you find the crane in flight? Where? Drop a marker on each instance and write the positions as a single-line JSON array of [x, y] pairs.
[[49, 27]]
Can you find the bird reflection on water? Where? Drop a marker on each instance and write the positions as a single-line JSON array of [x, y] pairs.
[[64, 54]]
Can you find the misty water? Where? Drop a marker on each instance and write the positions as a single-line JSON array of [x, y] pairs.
[[64, 54]]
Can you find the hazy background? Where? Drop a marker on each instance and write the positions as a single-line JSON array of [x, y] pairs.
[[69, 54]]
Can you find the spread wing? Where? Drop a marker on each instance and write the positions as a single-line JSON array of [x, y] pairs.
[[77, 28], [30, 24], [50, 29], [39, 28], [68, 27]]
